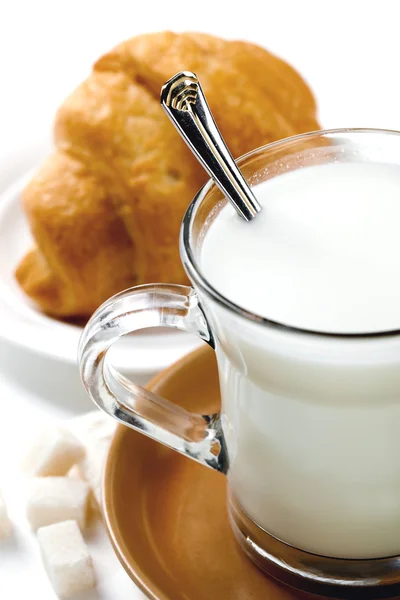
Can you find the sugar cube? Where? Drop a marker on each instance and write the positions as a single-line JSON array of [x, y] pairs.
[[55, 499], [92, 465], [96, 430], [5, 523], [94, 423], [54, 451], [75, 472], [66, 558]]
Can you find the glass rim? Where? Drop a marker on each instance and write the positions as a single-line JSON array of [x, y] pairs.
[[194, 271]]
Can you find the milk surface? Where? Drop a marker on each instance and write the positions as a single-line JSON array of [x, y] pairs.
[[313, 424], [324, 254]]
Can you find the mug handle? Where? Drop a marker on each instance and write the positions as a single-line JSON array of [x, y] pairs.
[[199, 437]]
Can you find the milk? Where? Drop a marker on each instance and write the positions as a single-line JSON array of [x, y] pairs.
[[324, 254], [312, 423]]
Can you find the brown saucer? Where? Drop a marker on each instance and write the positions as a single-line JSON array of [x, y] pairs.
[[166, 515]]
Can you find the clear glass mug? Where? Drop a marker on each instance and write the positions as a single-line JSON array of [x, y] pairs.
[[309, 430]]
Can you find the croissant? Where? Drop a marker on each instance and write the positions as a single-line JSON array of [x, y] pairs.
[[105, 208]]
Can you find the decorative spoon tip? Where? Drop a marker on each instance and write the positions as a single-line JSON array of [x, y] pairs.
[[183, 100]]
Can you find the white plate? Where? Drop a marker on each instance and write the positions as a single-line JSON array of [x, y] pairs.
[[22, 323]]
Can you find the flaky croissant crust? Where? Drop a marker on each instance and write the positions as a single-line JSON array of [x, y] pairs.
[[106, 207]]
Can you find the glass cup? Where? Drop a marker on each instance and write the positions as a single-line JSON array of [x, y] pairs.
[[309, 429]]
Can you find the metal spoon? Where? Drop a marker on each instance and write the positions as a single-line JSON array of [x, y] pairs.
[[183, 100]]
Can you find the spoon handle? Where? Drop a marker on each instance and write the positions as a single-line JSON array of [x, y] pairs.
[[183, 100]]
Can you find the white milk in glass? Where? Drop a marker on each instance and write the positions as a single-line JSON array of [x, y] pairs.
[[313, 422]]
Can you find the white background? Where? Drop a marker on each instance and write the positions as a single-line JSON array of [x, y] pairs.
[[348, 51]]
